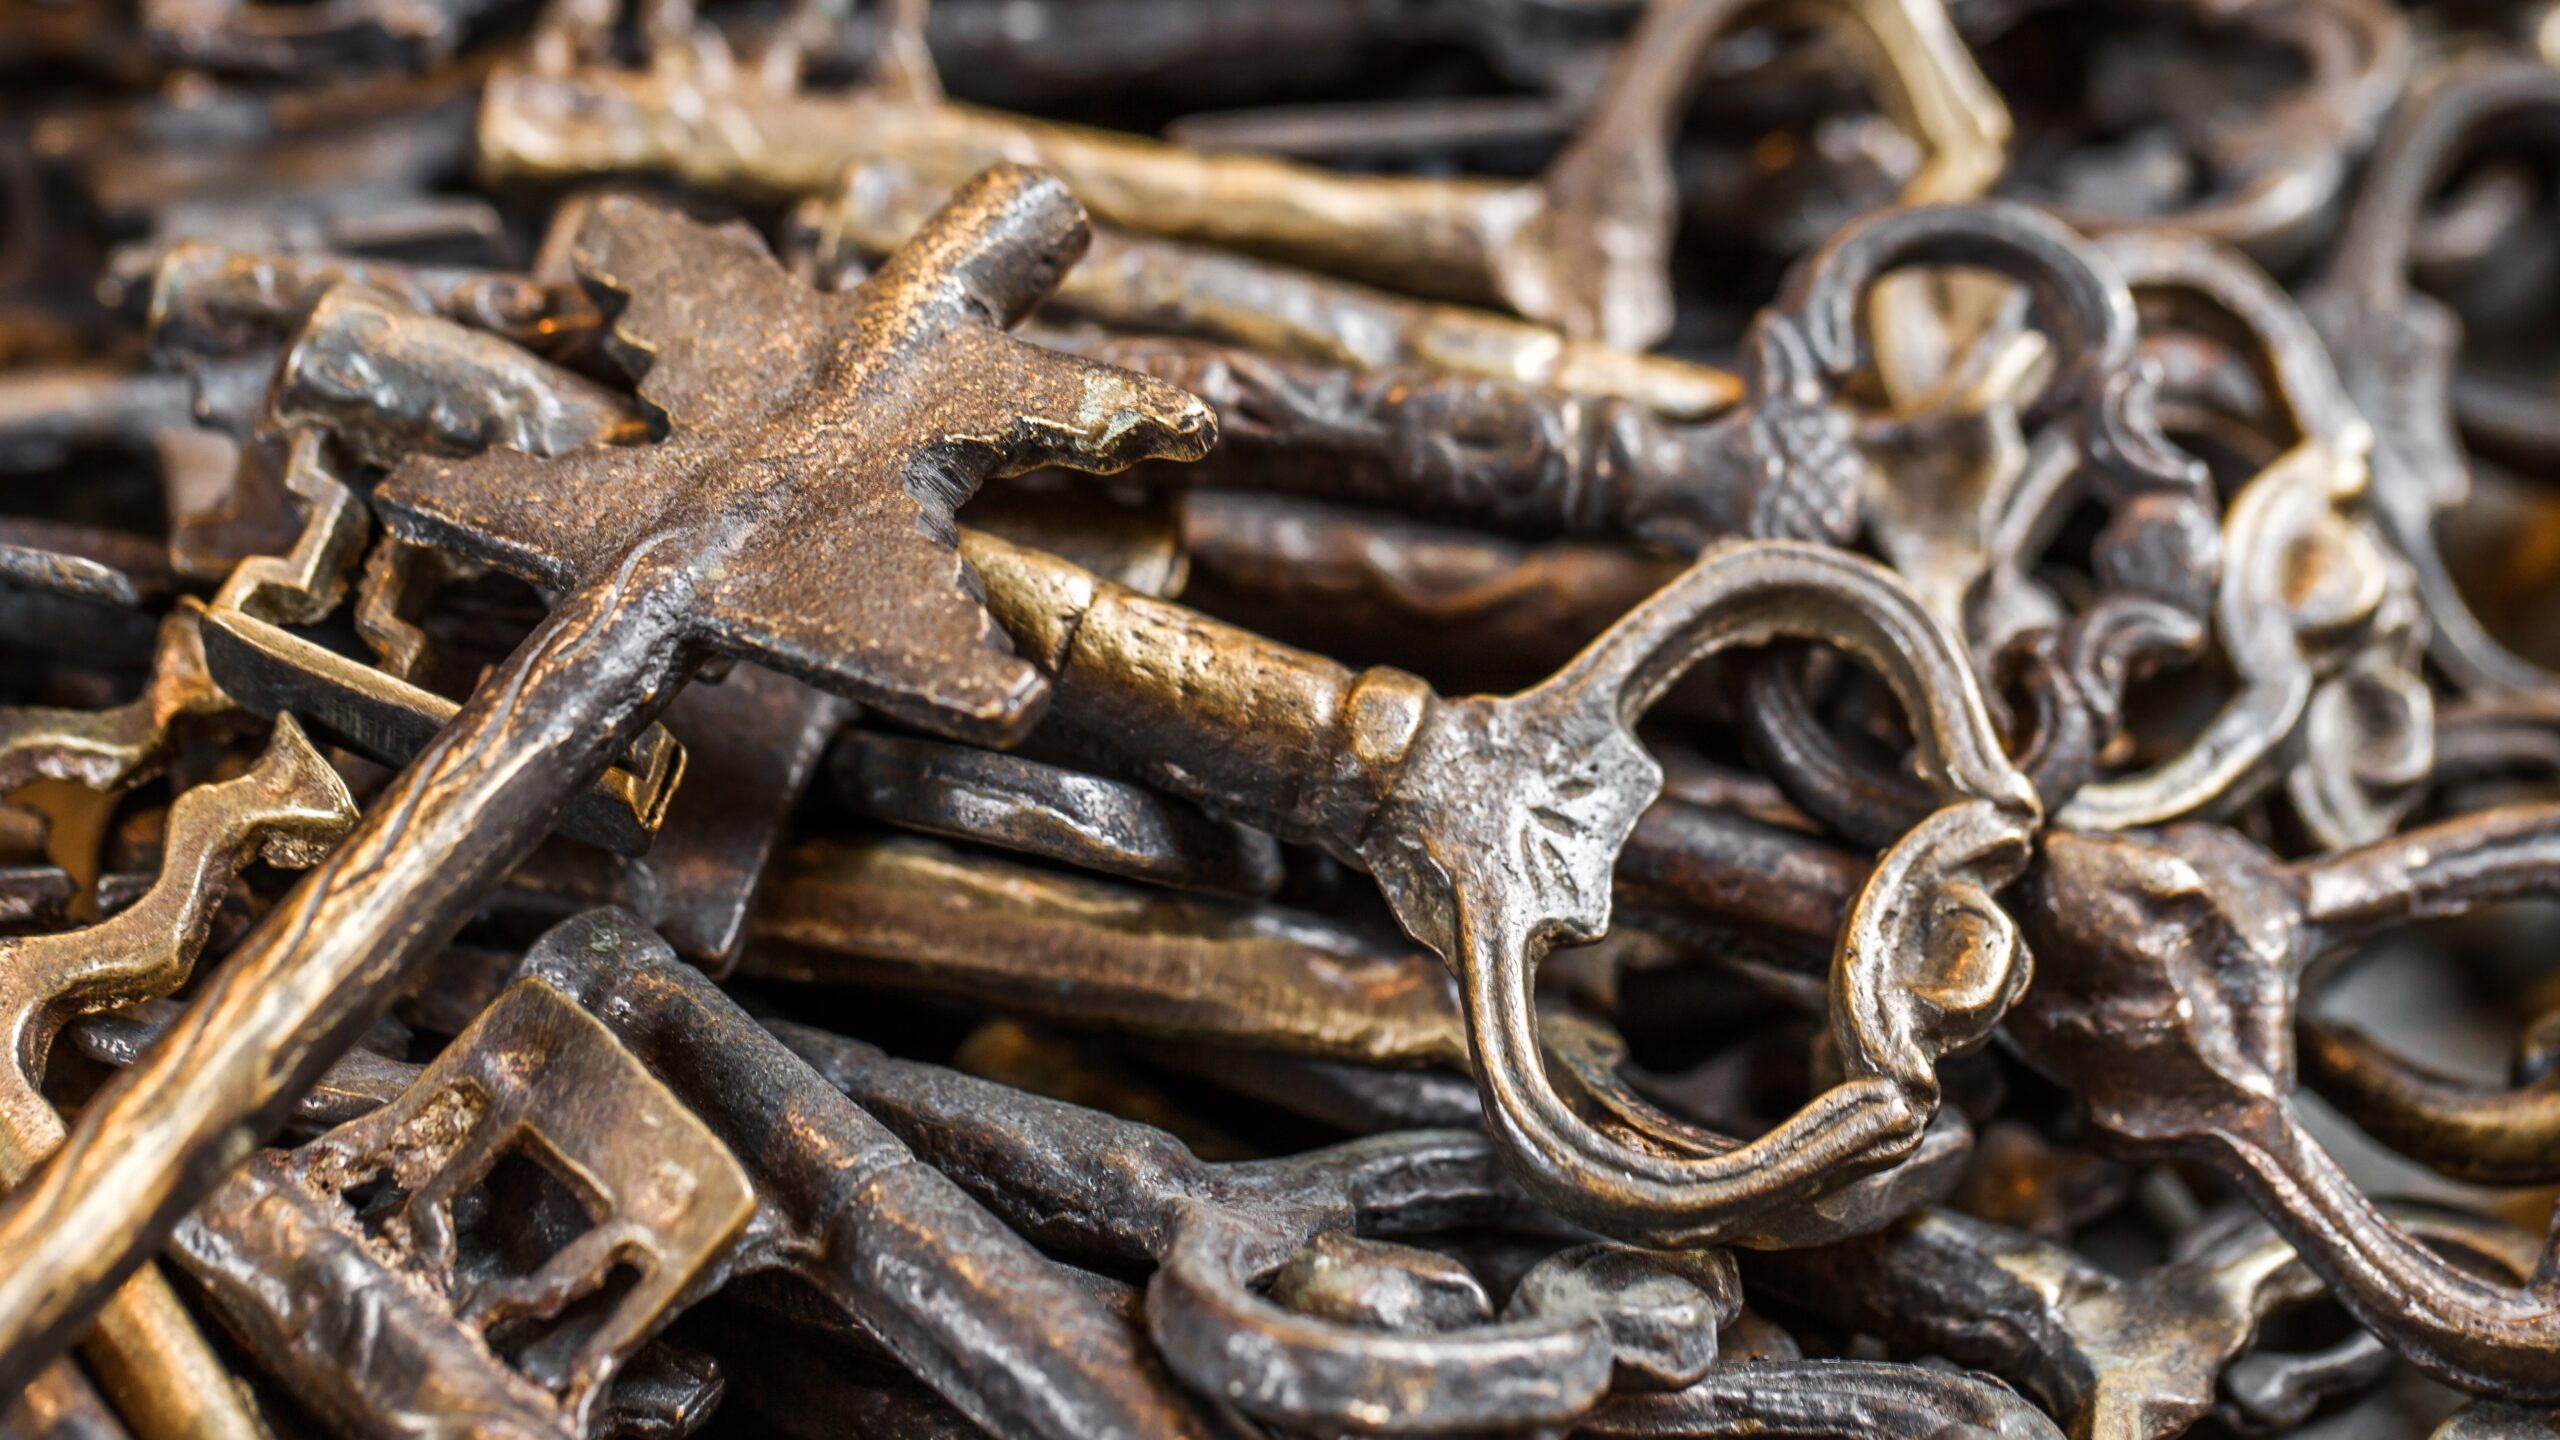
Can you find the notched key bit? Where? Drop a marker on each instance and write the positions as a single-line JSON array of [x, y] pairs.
[[288, 810], [269, 670], [849, 427], [347, 1265], [124, 744]]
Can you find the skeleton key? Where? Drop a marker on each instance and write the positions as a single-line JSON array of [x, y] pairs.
[[1227, 978], [1493, 825], [268, 670], [429, 398], [1785, 462], [706, 547], [367, 369], [2396, 346], [2330, 662], [383, 1313], [695, 883], [2157, 558], [1089, 1183], [1132, 281], [2116, 1359], [1086, 952], [997, 1328], [2305, 578], [2269, 172], [289, 809], [838, 1203], [2165, 997], [1546, 248]]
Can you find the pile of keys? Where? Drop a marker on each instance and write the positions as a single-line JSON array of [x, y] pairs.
[[1279, 718]]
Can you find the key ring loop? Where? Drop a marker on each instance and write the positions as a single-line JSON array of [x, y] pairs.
[[1492, 862]]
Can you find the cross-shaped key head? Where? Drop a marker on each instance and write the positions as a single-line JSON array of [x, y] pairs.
[[816, 445]]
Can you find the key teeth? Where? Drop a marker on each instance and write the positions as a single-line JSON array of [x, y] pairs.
[[311, 806]]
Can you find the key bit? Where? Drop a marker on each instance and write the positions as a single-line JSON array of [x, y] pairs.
[[845, 1207], [124, 745], [383, 1316], [270, 671], [859, 420], [303, 585], [288, 810]]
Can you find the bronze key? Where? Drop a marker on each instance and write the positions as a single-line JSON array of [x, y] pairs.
[[841, 430]]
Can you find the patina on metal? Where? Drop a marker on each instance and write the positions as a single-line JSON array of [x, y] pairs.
[[648, 591]]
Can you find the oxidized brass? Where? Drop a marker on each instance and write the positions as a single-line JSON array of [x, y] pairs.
[[1817, 691]]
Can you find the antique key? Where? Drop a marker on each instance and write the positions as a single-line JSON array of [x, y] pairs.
[[1583, 248], [111, 748], [2295, 523], [1492, 826], [1133, 281], [699, 553], [264, 668], [2396, 345], [386, 1309], [2117, 1359], [997, 1328], [1232, 982], [1092, 1183], [288, 809], [2167, 965]]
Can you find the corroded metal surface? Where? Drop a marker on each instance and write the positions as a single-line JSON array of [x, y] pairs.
[[1649, 718]]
